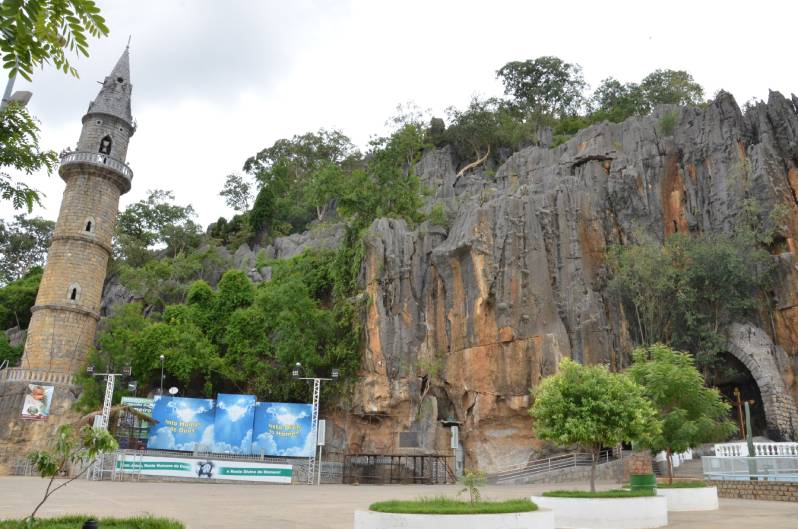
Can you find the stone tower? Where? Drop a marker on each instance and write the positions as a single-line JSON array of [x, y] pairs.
[[65, 316]]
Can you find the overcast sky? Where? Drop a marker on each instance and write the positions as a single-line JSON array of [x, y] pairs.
[[216, 81]]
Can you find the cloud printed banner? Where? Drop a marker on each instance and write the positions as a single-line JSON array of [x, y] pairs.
[[232, 432], [183, 423], [282, 429]]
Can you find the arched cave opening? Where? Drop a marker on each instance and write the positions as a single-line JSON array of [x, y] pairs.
[[733, 374]]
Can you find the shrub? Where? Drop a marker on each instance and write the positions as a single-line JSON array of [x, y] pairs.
[[617, 493], [667, 123], [443, 505]]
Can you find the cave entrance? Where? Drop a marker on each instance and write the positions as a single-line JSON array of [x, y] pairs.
[[735, 375]]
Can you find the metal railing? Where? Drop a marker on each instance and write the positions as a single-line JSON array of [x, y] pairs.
[[97, 159], [760, 449], [741, 468], [549, 464]]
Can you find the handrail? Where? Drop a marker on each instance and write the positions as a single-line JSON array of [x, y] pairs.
[[539, 466], [760, 449], [97, 159]]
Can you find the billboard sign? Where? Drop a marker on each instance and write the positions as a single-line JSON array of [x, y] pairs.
[[180, 467], [282, 429], [183, 424], [232, 427], [36, 405]]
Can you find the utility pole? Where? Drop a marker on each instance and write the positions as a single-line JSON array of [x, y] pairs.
[[314, 419]]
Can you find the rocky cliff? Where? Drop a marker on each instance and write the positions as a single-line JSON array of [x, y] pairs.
[[463, 321]]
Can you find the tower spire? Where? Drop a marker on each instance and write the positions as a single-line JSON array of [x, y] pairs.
[[114, 96]]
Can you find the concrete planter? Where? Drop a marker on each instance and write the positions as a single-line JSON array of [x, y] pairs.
[[514, 520], [606, 513], [697, 499]]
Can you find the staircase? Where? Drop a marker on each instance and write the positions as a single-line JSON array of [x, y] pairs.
[[540, 468]]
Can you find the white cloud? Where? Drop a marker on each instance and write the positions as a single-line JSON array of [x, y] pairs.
[[283, 415], [244, 447], [162, 438], [186, 411], [264, 444], [237, 410]]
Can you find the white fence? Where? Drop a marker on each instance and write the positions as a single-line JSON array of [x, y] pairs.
[[760, 449], [768, 468]]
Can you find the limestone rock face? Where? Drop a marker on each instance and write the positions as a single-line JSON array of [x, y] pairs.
[[462, 322]]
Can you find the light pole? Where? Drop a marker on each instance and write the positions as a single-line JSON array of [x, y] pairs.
[[161, 391], [314, 419]]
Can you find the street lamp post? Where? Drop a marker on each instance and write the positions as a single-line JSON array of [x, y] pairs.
[[161, 391], [314, 419]]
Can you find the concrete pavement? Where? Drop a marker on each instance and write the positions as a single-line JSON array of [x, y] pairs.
[[246, 506]]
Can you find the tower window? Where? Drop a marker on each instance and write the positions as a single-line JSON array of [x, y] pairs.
[[120, 79], [88, 226], [105, 145], [73, 293]]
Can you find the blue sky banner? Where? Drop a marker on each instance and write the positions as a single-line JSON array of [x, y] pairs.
[[282, 429], [183, 423], [232, 427]]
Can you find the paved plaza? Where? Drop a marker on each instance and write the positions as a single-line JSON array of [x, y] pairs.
[[227, 506]]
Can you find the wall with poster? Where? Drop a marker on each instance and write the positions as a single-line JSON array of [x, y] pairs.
[[180, 467], [36, 405], [232, 425], [282, 429], [183, 423]]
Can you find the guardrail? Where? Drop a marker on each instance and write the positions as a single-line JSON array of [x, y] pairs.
[[741, 468], [549, 464], [760, 449], [97, 159]]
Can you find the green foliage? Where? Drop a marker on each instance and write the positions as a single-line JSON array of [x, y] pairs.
[[591, 407], [471, 481], [296, 178], [20, 151], [153, 223], [236, 192], [70, 448], [38, 32], [17, 298], [675, 87], [23, 245], [618, 493], [438, 216], [544, 86], [77, 521], [444, 505], [684, 292], [667, 123], [232, 233], [691, 413], [8, 353]]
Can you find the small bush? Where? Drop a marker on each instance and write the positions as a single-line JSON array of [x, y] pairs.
[[667, 123], [443, 505], [438, 216], [618, 493], [697, 484]]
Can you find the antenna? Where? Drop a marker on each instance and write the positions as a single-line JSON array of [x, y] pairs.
[[128, 40]]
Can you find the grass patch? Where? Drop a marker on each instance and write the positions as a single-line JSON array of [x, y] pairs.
[[683, 485], [617, 493], [442, 505], [76, 522]]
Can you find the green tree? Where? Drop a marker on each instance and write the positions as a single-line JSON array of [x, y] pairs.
[[23, 245], [675, 87], [17, 298], [70, 448], [691, 413], [8, 353], [236, 192], [593, 408], [546, 86], [38, 32], [616, 101], [151, 223], [20, 151]]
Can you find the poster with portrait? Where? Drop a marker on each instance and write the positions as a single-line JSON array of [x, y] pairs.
[[36, 405]]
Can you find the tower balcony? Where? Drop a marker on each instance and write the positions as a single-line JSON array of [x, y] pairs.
[[120, 169]]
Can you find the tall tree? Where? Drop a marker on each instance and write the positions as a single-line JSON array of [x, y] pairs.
[[671, 86], [593, 408], [236, 192], [23, 245], [545, 86], [691, 413]]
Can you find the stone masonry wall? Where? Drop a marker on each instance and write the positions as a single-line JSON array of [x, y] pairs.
[[757, 490]]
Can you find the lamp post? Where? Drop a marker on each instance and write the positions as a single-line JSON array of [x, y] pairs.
[[161, 390], [314, 419]]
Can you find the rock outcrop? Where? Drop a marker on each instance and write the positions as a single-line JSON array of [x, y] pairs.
[[463, 321]]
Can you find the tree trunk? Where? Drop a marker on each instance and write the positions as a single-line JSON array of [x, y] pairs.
[[669, 455], [594, 454]]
